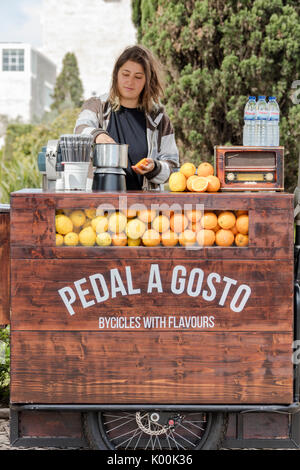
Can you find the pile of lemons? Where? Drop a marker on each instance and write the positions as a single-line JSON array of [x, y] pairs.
[[151, 228], [190, 178]]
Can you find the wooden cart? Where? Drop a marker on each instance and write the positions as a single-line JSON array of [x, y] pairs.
[[171, 334]]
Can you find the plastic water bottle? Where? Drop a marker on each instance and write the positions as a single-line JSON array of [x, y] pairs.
[[249, 121], [273, 122], [261, 122]]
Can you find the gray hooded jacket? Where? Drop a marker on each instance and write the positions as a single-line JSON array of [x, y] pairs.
[[94, 118]]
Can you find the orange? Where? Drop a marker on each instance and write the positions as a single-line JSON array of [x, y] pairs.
[[241, 240], [141, 162], [178, 222], [234, 230], [151, 238], [205, 169], [189, 182], [209, 220], [146, 215], [119, 239], [169, 238], [177, 181], [213, 184], [206, 237], [188, 169], [187, 238], [224, 237], [196, 226], [194, 215], [242, 224], [226, 219], [238, 213], [199, 184], [161, 223]]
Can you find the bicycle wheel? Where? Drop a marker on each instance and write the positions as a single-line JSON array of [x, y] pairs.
[[154, 430]]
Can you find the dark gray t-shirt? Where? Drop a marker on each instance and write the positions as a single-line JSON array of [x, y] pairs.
[[128, 126]]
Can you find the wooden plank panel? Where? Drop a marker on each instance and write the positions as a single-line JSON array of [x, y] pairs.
[[4, 268], [141, 253], [50, 424], [33, 220], [73, 199], [89, 367], [37, 303]]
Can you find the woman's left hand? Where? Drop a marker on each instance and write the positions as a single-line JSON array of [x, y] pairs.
[[145, 167]]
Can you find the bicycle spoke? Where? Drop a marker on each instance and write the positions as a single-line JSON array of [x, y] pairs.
[[120, 425], [191, 422], [176, 443], [135, 447], [135, 430], [122, 435], [184, 439], [196, 435]]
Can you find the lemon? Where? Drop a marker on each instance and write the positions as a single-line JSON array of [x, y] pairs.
[[117, 222], [78, 218], [95, 220], [87, 236], [59, 239], [103, 239], [177, 181], [135, 229], [63, 224], [102, 224], [71, 239], [90, 213], [132, 242], [87, 224]]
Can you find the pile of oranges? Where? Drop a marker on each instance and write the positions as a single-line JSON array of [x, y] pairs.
[[152, 228], [190, 178]]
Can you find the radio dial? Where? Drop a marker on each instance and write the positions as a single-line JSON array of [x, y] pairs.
[[269, 176], [230, 176]]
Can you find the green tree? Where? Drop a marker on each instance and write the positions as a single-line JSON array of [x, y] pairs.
[[217, 53], [68, 87], [18, 167]]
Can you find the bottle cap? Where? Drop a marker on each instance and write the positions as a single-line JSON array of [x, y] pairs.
[[262, 97], [272, 98], [252, 98]]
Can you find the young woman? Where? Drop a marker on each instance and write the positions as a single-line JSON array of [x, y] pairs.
[[132, 114]]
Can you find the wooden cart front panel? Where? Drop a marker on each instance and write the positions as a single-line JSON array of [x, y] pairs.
[[4, 265], [160, 325]]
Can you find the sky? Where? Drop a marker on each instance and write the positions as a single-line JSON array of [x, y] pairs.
[[20, 21]]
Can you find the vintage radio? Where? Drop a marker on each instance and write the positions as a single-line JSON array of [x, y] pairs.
[[250, 168]]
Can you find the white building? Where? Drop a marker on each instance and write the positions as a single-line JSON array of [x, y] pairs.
[[27, 80], [96, 31]]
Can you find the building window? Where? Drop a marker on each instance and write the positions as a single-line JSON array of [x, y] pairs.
[[13, 60]]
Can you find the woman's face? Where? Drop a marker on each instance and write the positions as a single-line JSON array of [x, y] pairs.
[[131, 81]]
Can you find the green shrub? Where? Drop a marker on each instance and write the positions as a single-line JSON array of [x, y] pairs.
[[4, 365]]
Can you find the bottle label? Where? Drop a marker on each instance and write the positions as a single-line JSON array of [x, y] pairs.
[[274, 116], [249, 115], [262, 115]]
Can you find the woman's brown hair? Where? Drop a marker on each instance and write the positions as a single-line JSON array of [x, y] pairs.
[[153, 89]]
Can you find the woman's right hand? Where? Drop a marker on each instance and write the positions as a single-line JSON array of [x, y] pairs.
[[104, 139]]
